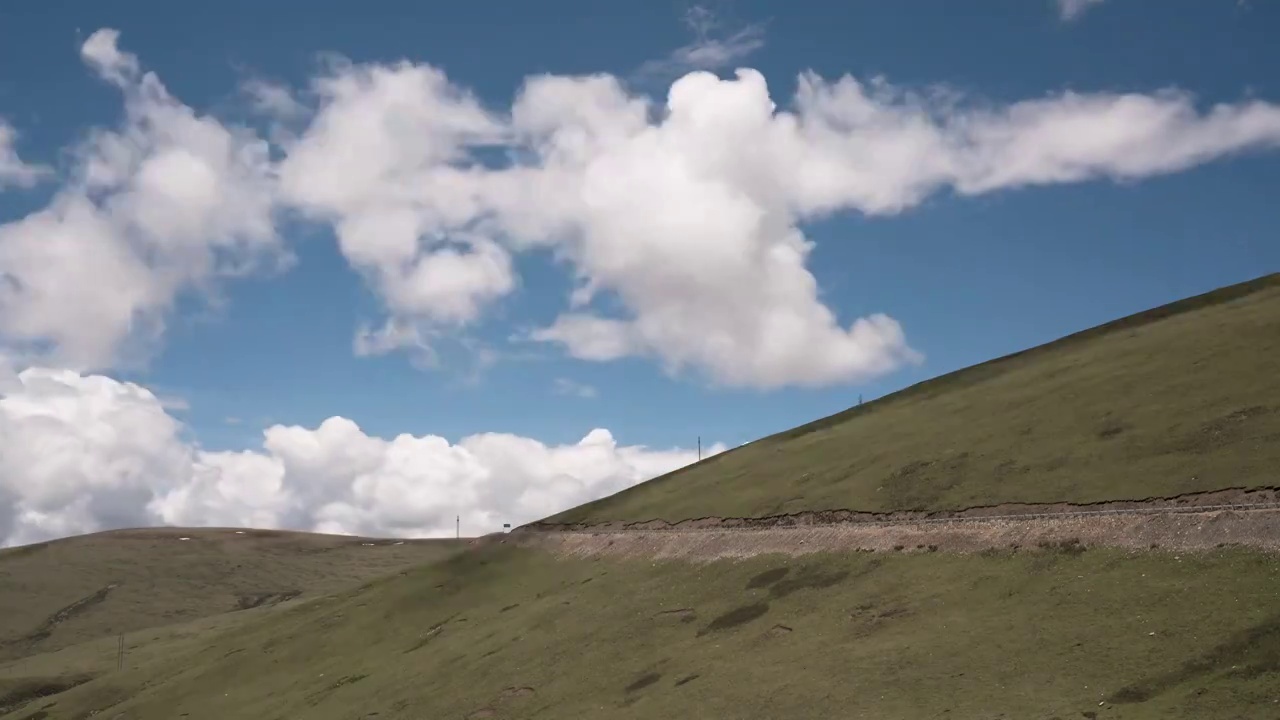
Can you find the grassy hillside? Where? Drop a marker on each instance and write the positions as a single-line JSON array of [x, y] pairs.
[[1182, 398], [507, 632], [61, 593]]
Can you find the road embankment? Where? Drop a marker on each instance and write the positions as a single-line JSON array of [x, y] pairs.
[[1200, 521]]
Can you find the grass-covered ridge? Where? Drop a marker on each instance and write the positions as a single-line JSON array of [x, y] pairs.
[[1182, 398], [517, 633], [68, 591]]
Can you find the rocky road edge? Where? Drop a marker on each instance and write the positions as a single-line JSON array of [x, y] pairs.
[[1257, 498], [1181, 532], [1200, 521]]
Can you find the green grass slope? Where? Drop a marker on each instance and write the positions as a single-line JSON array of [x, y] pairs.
[[1182, 398], [507, 632], [68, 591]]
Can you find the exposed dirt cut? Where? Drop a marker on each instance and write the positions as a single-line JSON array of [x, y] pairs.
[[1239, 498], [1195, 530]]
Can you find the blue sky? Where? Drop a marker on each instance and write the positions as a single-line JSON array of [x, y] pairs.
[[967, 275]]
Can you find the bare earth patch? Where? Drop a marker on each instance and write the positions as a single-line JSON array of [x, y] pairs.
[[1231, 498], [1185, 530]]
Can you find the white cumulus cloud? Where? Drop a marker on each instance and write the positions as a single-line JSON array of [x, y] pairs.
[[683, 220], [162, 205], [690, 214], [81, 453], [380, 161]]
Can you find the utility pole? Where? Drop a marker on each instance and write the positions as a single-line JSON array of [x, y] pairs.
[[457, 520], [699, 447]]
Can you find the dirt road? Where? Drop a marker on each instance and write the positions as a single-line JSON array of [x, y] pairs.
[[1185, 523]]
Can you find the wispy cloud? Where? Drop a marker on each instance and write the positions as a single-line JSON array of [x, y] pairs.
[[14, 171], [1069, 10], [173, 403], [565, 386], [170, 400], [716, 44], [273, 99]]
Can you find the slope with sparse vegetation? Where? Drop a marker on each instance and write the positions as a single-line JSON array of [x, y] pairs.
[[68, 591], [509, 632], [1183, 398], [1180, 399]]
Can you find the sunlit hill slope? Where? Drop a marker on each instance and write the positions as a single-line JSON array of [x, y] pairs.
[[1180, 399]]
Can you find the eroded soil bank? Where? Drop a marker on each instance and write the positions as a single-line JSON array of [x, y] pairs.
[[1218, 499], [1174, 531]]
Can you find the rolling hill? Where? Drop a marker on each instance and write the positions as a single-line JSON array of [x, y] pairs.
[[1177, 400], [68, 591]]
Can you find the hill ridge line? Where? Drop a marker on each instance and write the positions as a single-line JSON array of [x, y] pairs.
[[1233, 498]]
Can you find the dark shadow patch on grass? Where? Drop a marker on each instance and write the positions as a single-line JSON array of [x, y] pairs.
[[462, 568], [1067, 546], [249, 601], [868, 618], [16, 693], [431, 634], [1111, 429], [687, 679], [22, 551], [685, 615], [815, 580], [1249, 672], [1250, 653], [1006, 469], [995, 552], [767, 578], [515, 692], [348, 680], [1220, 432], [735, 617], [319, 696], [920, 483], [76, 608], [812, 578], [643, 682], [509, 608]]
